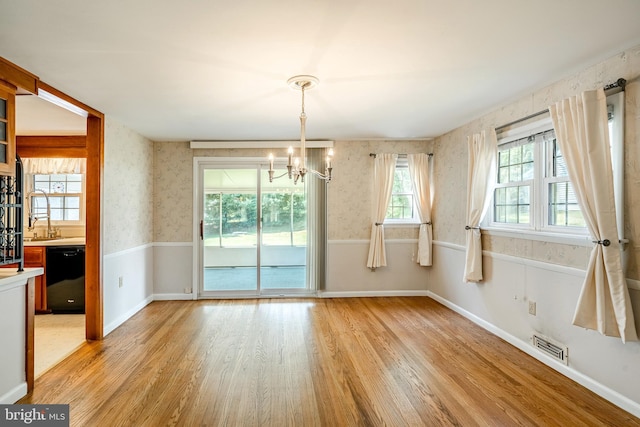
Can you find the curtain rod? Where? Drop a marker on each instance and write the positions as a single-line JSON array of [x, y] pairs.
[[613, 88], [399, 155]]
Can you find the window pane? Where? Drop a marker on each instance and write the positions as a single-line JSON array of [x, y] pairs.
[[72, 202], [3, 131], [523, 195], [3, 108], [72, 214], [512, 195], [74, 187], [211, 223], [527, 152], [512, 214], [515, 173], [527, 171], [523, 214], [400, 207], [503, 159], [503, 175], [402, 180], [500, 196], [239, 220], [58, 187], [3, 153], [515, 155], [563, 206], [57, 214], [299, 220], [276, 219], [501, 214]]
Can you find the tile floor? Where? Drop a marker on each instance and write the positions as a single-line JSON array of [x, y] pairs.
[[56, 337]]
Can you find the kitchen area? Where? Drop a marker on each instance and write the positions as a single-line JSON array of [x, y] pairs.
[[54, 224]]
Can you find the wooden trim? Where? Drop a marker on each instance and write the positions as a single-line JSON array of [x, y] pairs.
[[17, 76], [93, 250], [69, 99], [8, 92], [52, 146]]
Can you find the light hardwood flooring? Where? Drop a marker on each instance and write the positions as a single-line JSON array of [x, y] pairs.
[[316, 362]]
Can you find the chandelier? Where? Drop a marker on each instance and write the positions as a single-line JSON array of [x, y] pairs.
[[297, 166]]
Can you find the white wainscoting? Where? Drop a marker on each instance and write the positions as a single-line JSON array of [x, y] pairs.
[[348, 275], [500, 304], [135, 267], [173, 271]]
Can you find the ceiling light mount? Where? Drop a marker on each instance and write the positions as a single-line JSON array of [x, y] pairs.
[[303, 81]]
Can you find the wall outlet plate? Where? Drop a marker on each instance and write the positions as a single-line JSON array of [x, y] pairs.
[[532, 308]]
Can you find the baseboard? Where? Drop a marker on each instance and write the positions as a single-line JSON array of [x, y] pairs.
[[172, 297], [588, 382], [367, 294], [13, 395], [126, 316]]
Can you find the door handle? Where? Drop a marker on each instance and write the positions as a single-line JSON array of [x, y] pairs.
[[201, 230]]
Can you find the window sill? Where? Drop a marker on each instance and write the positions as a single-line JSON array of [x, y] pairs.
[[540, 236]]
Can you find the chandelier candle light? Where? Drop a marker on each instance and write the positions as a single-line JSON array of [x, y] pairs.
[[297, 168]]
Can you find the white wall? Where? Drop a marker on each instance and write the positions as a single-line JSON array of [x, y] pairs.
[[13, 381], [348, 275], [500, 303], [134, 267]]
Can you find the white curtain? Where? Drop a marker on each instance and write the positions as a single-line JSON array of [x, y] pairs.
[[582, 132], [48, 166], [483, 151], [383, 171], [420, 171]]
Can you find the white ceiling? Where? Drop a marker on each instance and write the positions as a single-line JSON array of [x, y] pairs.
[[217, 70]]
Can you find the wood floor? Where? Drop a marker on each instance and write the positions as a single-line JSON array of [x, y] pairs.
[[315, 362]]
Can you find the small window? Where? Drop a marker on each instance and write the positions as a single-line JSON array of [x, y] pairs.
[[402, 207], [63, 193]]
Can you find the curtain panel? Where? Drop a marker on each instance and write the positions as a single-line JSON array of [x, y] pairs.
[[420, 171], [582, 132], [483, 151], [49, 166], [384, 167]]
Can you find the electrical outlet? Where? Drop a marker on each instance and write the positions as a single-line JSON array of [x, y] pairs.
[[187, 290], [120, 281], [532, 308]]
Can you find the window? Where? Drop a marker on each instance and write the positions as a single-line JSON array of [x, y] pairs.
[[64, 195], [533, 192], [402, 207]]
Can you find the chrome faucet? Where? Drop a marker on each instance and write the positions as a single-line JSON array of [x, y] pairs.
[[33, 218]]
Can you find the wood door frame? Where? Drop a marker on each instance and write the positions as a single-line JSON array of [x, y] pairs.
[[94, 144]]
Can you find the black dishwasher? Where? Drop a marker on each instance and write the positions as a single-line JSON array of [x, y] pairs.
[[65, 279]]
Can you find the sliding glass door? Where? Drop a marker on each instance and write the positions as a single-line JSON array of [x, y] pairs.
[[254, 233]]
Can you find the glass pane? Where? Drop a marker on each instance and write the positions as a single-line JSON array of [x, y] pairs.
[[523, 214], [500, 196], [523, 195], [527, 171], [503, 159], [239, 220], [501, 214], [515, 154], [401, 180], [74, 177], [42, 186], [503, 175], [72, 202], [55, 202], [527, 153], [512, 214], [3, 108], [3, 131], [57, 214], [211, 223], [575, 217], [515, 173], [3, 153], [299, 220], [74, 187], [72, 214], [512, 195], [276, 219]]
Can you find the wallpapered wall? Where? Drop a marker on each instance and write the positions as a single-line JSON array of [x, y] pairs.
[[128, 189], [349, 199], [451, 165]]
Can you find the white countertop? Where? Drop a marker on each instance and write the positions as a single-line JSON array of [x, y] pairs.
[[68, 241], [10, 278]]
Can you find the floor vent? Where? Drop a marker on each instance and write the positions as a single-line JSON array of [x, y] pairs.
[[554, 350]]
